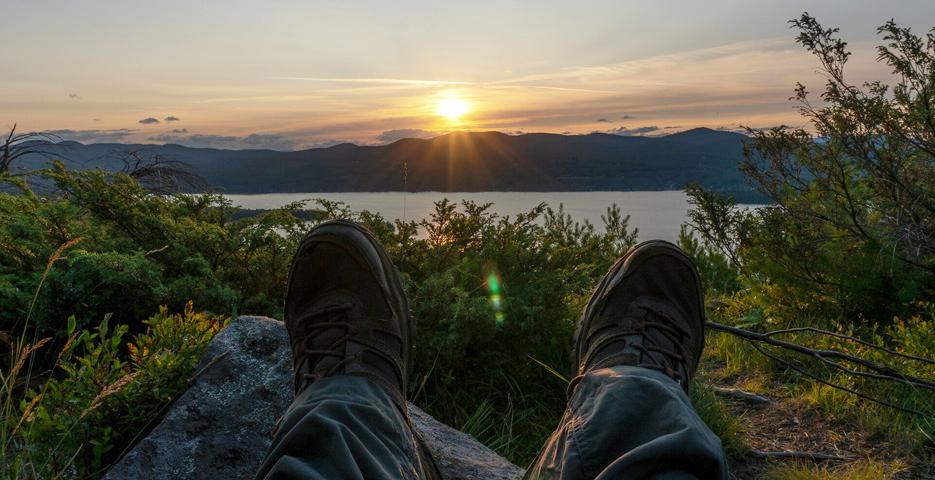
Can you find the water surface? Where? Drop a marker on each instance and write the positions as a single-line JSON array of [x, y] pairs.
[[656, 214]]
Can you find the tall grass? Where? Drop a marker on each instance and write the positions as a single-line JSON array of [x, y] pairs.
[[22, 350]]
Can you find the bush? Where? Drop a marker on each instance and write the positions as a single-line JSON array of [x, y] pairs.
[[131, 244], [102, 396], [847, 243], [481, 348], [850, 232], [495, 299]]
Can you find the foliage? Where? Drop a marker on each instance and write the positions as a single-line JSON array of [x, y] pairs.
[[850, 229], [152, 249], [128, 243], [102, 395], [847, 243], [478, 365]]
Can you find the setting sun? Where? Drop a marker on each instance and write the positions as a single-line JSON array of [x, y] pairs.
[[452, 108]]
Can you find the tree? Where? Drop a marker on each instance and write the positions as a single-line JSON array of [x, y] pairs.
[[852, 220], [17, 145]]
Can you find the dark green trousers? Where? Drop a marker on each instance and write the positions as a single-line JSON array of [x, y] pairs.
[[621, 423]]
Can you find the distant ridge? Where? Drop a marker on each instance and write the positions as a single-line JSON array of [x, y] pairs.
[[455, 162]]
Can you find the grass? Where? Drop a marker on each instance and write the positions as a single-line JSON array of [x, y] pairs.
[[21, 352], [862, 470], [512, 420], [720, 419], [887, 440]]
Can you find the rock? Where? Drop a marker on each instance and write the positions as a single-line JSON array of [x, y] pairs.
[[220, 428]]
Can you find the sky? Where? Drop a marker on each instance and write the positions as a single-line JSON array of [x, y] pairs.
[[300, 74]]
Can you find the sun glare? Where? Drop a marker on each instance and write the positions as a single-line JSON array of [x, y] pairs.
[[452, 108]]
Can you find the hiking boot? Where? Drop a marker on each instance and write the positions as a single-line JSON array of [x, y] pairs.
[[647, 312], [346, 312]]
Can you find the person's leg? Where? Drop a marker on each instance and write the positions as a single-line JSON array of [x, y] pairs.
[[343, 427], [637, 348], [348, 322]]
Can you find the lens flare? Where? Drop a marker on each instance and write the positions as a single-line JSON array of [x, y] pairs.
[[494, 284]]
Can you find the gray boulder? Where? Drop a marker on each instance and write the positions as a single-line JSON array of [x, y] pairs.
[[220, 427]]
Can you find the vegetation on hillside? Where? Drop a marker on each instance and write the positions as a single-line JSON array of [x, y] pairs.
[[847, 243], [847, 246]]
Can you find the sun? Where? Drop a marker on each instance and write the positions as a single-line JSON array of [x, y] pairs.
[[452, 108]]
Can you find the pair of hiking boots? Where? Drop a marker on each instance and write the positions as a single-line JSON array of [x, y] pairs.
[[347, 314]]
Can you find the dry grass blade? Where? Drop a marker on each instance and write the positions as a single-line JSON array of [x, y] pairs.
[[27, 413], [108, 391], [24, 353]]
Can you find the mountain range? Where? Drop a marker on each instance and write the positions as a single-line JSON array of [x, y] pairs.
[[454, 162]]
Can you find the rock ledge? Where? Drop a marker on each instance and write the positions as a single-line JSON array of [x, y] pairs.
[[220, 427]]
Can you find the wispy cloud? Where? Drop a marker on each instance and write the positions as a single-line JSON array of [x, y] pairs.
[[237, 142], [120, 135], [388, 81], [390, 136], [632, 132]]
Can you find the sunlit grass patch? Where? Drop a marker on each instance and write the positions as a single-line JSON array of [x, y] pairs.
[[720, 419], [861, 470]]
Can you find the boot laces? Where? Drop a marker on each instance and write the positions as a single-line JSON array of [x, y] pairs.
[[334, 317], [672, 330]]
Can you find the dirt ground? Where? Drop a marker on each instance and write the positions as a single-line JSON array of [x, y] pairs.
[[786, 424]]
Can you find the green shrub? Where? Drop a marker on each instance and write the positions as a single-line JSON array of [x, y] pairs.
[[103, 395], [479, 358], [132, 244]]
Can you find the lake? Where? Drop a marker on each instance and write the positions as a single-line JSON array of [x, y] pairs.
[[656, 214]]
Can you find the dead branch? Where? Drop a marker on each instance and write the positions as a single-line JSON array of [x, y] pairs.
[[17, 145], [739, 394], [161, 175], [815, 456], [883, 372], [873, 370], [852, 339]]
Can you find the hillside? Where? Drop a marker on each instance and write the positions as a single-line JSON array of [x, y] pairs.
[[465, 162]]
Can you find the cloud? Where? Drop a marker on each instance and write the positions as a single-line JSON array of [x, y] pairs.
[[603, 120], [327, 143], [149, 121], [94, 136], [741, 130], [627, 117], [269, 141], [387, 81], [74, 96], [172, 118], [390, 136], [632, 132]]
